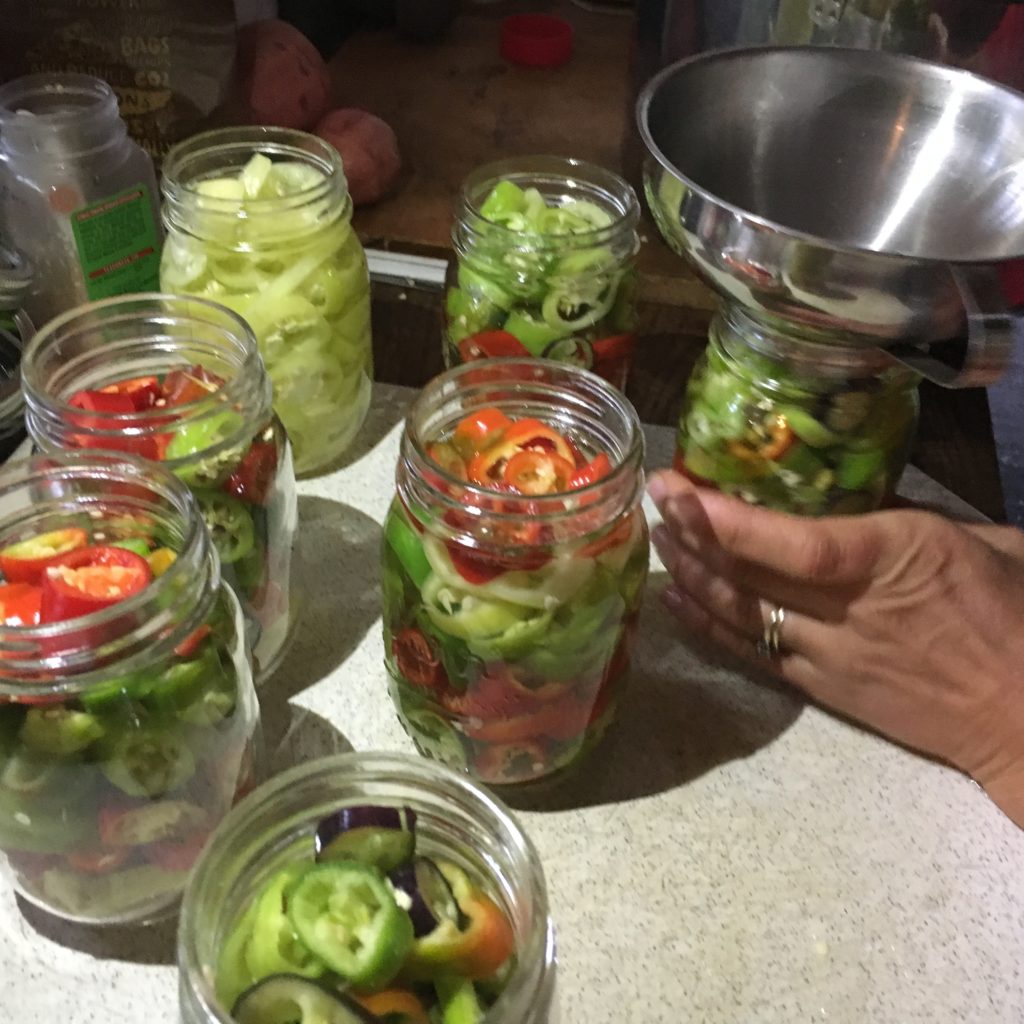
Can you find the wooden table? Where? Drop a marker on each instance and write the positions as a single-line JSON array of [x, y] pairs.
[[456, 104]]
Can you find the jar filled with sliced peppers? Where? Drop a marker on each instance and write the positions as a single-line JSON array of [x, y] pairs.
[[784, 420], [15, 331], [368, 889], [545, 252], [180, 381], [259, 219], [514, 560], [128, 717]]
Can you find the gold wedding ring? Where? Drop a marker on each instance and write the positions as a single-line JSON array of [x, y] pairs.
[[771, 640]]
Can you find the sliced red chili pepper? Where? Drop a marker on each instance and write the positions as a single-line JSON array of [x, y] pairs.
[[253, 478], [91, 578], [396, 1006], [183, 386], [20, 604], [188, 647], [781, 439], [491, 344], [618, 534], [480, 429], [472, 566], [97, 407], [597, 469], [177, 855], [485, 942], [533, 472], [25, 561], [416, 658], [486, 467], [618, 346], [143, 391], [98, 862]]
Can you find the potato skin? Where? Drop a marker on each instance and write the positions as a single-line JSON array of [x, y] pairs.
[[284, 79], [368, 149]]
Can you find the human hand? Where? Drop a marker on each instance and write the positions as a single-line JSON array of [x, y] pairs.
[[906, 621]]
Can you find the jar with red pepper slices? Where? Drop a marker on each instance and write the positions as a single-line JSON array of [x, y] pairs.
[[445, 890], [180, 381], [128, 717], [545, 251], [514, 560]]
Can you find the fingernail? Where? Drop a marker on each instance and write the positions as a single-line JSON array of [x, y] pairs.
[[672, 598], [657, 489]]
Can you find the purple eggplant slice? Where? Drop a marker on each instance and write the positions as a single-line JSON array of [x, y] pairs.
[[291, 999], [432, 899], [383, 837]]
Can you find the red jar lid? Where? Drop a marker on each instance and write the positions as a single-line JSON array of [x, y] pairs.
[[536, 40]]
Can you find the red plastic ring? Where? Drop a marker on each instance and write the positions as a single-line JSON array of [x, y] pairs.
[[536, 40]]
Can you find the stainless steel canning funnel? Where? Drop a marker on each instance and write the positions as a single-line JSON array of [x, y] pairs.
[[873, 196]]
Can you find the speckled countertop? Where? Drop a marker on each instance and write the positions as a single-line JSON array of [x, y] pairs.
[[729, 855]]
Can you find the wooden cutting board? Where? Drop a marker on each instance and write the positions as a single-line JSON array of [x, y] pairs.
[[456, 104]]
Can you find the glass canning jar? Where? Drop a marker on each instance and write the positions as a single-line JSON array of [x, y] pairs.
[[15, 332], [195, 396], [508, 619], [260, 219], [545, 250], [79, 197], [782, 419], [125, 733], [456, 820]]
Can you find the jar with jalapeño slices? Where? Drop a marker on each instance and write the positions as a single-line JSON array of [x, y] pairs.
[[367, 889], [514, 561], [180, 381], [783, 419], [545, 266], [128, 718]]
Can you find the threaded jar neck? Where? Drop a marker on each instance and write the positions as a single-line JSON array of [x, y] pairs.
[[223, 153]]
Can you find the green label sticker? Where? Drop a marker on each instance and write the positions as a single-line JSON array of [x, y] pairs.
[[118, 246]]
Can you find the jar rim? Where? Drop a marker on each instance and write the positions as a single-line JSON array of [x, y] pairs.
[[601, 499], [96, 93], [368, 766], [209, 154], [248, 391], [617, 195], [170, 607]]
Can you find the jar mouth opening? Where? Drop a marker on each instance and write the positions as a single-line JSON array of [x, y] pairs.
[[287, 804], [563, 396], [156, 334], [224, 152], [165, 612], [57, 99], [559, 178]]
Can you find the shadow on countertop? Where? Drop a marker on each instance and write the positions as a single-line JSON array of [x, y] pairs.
[[336, 578], [154, 943], [679, 718]]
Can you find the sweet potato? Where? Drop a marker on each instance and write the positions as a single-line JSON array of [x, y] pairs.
[[368, 149], [283, 77]]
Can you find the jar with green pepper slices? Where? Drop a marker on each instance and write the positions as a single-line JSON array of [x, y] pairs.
[[180, 381], [544, 266], [785, 420], [514, 560], [445, 890], [260, 219], [128, 717]]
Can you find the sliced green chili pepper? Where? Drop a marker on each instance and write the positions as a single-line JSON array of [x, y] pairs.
[[407, 546], [59, 730], [136, 544], [536, 335], [435, 736], [857, 469], [807, 428], [230, 524], [184, 682], [459, 1002], [150, 761], [345, 913], [274, 947], [191, 440], [233, 974]]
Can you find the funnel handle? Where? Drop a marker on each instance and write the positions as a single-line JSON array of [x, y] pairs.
[[979, 357]]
